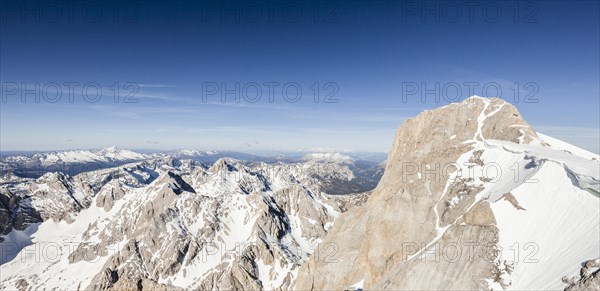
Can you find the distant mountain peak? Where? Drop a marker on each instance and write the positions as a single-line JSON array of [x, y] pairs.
[[328, 157], [111, 149]]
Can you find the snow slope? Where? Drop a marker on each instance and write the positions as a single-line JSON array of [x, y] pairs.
[[563, 146]]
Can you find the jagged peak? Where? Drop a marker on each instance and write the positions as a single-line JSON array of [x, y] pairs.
[[53, 176], [225, 163]]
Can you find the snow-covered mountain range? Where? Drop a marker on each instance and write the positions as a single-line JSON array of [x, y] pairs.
[[70, 162], [471, 198], [366, 167], [167, 223]]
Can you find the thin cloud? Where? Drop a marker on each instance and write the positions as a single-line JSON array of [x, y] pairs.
[[155, 86]]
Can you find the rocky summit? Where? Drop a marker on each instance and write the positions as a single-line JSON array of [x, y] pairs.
[[472, 198]]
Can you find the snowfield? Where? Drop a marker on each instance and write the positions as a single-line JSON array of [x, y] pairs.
[[561, 211]]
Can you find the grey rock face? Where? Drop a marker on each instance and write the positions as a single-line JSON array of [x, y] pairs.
[[174, 198], [349, 201], [170, 224]]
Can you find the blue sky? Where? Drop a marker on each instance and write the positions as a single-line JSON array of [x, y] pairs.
[[365, 54]]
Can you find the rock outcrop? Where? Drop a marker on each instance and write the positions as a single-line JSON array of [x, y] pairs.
[[428, 225]]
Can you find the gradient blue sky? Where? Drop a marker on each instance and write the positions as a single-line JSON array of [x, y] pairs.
[[369, 49]]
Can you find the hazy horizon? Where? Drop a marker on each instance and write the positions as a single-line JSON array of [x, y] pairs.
[[259, 151], [336, 75]]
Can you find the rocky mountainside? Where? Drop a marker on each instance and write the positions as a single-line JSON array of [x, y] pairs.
[[166, 223], [471, 198]]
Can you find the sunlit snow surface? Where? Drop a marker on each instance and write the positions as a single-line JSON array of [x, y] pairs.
[[560, 226]]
